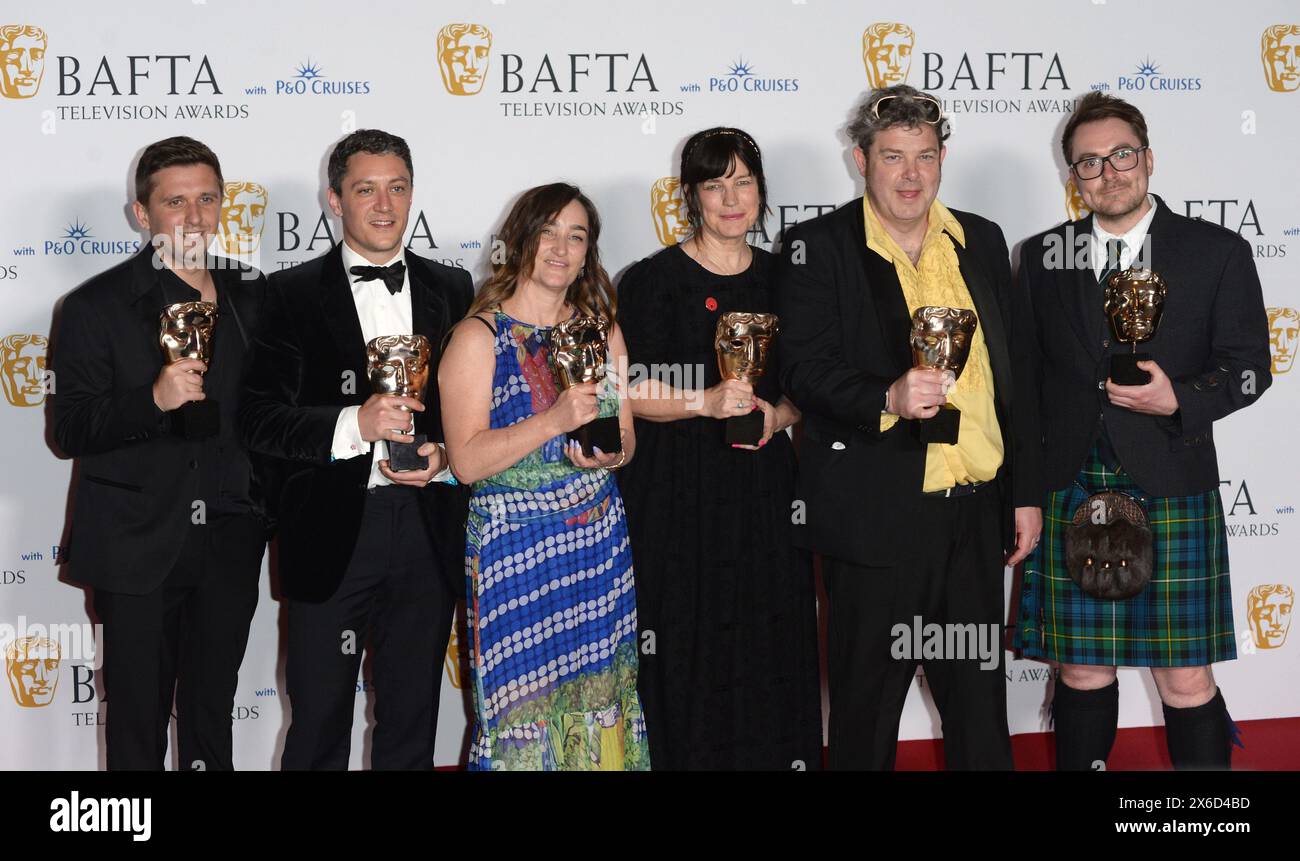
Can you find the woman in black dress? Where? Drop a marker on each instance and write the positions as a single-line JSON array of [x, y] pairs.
[[726, 606]]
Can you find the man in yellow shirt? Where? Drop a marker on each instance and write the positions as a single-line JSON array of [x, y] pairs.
[[913, 535]]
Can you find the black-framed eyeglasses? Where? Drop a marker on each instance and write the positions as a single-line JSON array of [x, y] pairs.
[[1120, 160], [931, 110]]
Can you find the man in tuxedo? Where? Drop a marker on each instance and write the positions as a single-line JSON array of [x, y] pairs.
[[911, 533], [366, 555], [167, 525], [1154, 441]]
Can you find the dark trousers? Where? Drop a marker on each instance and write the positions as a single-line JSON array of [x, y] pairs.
[[186, 638], [954, 576], [392, 600]]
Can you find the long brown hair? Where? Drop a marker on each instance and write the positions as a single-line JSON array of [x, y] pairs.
[[591, 294]]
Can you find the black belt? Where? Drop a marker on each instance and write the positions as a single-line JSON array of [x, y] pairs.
[[959, 490]]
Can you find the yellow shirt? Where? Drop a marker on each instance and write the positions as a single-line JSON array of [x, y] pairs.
[[936, 280]]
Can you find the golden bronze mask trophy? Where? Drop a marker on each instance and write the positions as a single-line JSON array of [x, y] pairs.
[[399, 365], [742, 341], [579, 350], [1135, 301], [186, 331], [941, 340]]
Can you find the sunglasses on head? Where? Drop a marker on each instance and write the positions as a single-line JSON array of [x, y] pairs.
[[931, 110]]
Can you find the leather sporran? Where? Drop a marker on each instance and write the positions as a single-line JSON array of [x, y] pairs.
[[1109, 548]]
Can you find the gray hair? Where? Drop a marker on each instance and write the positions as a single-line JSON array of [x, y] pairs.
[[902, 110]]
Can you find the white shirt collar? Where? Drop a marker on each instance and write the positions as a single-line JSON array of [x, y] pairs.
[[1132, 240]]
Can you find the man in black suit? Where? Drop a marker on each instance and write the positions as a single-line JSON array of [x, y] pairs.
[[168, 527], [366, 554], [1152, 441], [911, 533]]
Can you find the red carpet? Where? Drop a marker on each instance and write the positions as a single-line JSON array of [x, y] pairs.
[[1270, 745]]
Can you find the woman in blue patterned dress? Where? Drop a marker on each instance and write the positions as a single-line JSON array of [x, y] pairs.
[[551, 606]]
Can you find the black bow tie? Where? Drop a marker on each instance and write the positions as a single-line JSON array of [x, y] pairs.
[[392, 276]]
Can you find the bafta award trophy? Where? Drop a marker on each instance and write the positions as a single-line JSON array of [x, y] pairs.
[[1135, 299], [578, 350], [185, 332], [941, 339], [399, 365], [742, 340]]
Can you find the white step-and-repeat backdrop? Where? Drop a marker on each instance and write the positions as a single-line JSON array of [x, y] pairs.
[[495, 97]]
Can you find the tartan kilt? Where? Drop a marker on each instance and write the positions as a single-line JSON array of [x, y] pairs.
[[1183, 618]]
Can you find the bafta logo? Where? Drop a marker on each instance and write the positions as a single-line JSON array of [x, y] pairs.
[[580, 354], [399, 365], [1283, 337], [666, 208], [1269, 609], [941, 339], [1280, 53], [32, 665], [23, 374], [742, 341], [463, 51], [22, 55], [452, 660], [185, 331], [887, 53], [1134, 303], [243, 214], [1075, 208]]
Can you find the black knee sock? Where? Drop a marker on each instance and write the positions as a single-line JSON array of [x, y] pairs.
[[1200, 737], [1085, 725]]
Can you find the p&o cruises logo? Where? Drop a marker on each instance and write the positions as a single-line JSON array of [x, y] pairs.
[[78, 239], [1147, 77]]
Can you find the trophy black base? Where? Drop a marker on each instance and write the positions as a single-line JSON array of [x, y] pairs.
[[746, 429], [1125, 372], [405, 456], [941, 427], [602, 433], [196, 420]]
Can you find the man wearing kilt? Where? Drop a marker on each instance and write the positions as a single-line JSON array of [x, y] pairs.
[[1153, 442]]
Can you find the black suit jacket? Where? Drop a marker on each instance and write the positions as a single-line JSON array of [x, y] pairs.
[[308, 349], [1212, 342], [135, 481], [844, 340]]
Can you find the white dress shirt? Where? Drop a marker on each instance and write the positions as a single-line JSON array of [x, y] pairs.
[[1132, 242], [380, 313]]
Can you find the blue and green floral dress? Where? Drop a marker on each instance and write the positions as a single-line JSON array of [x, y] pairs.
[[551, 609]]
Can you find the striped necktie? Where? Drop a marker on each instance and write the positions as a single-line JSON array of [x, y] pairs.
[[1114, 254]]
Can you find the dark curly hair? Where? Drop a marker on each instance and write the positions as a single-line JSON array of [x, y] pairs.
[[908, 107], [372, 141]]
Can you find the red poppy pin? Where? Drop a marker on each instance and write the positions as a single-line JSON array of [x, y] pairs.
[[711, 303]]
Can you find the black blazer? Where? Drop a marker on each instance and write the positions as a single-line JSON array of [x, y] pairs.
[[1212, 339], [844, 339], [307, 350], [135, 482]]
